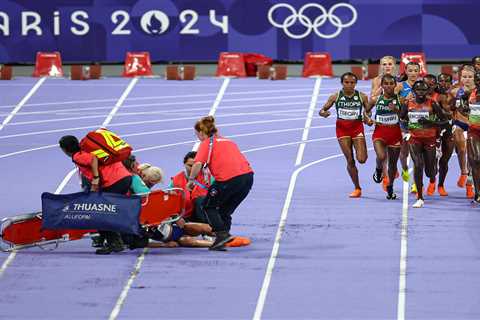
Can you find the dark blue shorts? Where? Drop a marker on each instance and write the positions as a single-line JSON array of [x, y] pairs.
[[461, 124], [177, 233]]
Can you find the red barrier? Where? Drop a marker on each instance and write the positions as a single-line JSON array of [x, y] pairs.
[[137, 64], [6, 72], [253, 61], [48, 64], [231, 64], [317, 64]]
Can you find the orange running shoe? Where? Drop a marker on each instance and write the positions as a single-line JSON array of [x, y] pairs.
[[470, 193], [462, 180], [431, 188], [442, 192], [357, 193], [385, 183], [239, 242]]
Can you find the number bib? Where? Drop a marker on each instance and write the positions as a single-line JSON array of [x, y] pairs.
[[348, 114], [413, 116], [387, 119]]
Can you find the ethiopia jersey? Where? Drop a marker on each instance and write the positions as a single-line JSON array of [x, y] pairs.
[[349, 108], [384, 113]]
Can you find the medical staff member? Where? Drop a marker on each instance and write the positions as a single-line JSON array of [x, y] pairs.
[[233, 178]]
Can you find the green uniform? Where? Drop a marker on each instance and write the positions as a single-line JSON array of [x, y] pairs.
[[349, 108], [383, 110]]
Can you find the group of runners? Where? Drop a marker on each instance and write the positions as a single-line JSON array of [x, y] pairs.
[[425, 118]]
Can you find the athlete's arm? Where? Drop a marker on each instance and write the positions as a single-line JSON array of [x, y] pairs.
[[96, 176], [403, 115], [375, 90], [193, 174], [398, 88], [331, 100], [370, 104]]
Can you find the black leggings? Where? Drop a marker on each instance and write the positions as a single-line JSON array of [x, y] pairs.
[[223, 198], [122, 186]]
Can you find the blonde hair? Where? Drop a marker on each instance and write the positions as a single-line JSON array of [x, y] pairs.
[[394, 64], [151, 173], [468, 68], [206, 125]]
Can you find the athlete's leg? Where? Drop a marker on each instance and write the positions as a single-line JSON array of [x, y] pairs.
[[447, 150], [460, 148], [393, 155], [429, 159], [187, 241], [416, 152], [360, 149], [196, 229], [381, 152], [346, 146], [473, 147]]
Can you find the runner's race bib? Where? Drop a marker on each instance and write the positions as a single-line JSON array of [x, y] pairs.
[[413, 116], [348, 114], [387, 119]]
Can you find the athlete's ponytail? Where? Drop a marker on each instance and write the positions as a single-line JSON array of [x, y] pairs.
[[206, 125]]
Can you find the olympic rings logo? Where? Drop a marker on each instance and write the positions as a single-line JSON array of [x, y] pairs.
[[308, 23]]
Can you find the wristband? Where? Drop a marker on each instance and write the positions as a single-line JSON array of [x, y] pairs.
[[96, 177]]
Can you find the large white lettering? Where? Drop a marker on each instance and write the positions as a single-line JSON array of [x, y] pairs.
[[84, 27], [26, 26], [5, 24]]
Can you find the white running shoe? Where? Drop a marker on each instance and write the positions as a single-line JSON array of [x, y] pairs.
[[419, 203]]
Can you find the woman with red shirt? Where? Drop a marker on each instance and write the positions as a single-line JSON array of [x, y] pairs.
[[114, 178], [233, 178]]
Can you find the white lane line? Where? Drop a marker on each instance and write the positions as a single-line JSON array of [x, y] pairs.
[[120, 102], [136, 270], [219, 97], [147, 132], [230, 136], [169, 145], [7, 262], [274, 146], [168, 97], [128, 285], [27, 150], [162, 120], [169, 111], [22, 102], [65, 180], [308, 122], [281, 228], [402, 282]]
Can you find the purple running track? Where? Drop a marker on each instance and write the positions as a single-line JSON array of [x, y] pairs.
[[338, 257]]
